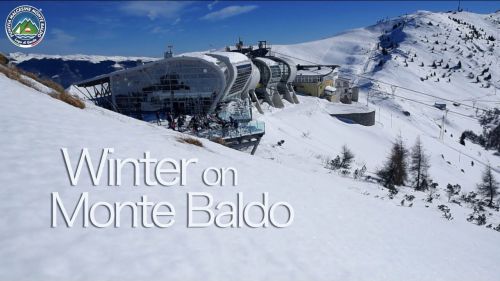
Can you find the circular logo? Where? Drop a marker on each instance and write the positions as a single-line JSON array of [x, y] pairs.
[[25, 26]]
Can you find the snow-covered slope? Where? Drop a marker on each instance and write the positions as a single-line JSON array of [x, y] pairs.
[[344, 229], [412, 37], [423, 37], [337, 233]]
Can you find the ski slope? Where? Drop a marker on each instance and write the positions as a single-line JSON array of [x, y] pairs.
[[337, 233], [312, 135], [344, 229]]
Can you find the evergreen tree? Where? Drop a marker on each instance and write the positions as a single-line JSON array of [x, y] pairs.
[[419, 166], [347, 157], [462, 138], [362, 171], [490, 138], [452, 190], [342, 161], [489, 186], [493, 138], [334, 164], [394, 172]]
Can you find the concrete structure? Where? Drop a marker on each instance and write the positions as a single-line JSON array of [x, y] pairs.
[[288, 74], [362, 118], [330, 93], [344, 90], [355, 93], [252, 85], [270, 76], [354, 113]]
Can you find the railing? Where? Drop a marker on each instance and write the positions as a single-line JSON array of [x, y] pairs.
[[238, 114], [228, 132], [240, 111]]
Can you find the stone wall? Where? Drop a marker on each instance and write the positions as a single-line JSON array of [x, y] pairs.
[[362, 118]]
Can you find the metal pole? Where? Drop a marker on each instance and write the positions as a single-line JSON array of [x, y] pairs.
[[442, 128], [441, 135], [78, 89]]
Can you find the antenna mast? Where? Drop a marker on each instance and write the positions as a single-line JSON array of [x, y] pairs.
[[168, 53]]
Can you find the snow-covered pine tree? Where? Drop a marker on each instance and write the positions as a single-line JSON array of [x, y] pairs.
[[333, 164], [452, 190], [419, 166], [347, 157], [394, 172], [362, 171], [488, 186], [342, 161]]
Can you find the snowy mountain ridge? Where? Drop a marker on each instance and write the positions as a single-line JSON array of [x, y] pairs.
[[19, 57], [359, 51]]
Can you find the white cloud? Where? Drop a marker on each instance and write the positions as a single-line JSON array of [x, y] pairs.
[[211, 5], [61, 37], [57, 41], [154, 10], [228, 12], [159, 30]]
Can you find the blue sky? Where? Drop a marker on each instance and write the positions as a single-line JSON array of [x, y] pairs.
[[146, 28]]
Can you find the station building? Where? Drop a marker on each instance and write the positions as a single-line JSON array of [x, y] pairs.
[[314, 81], [324, 82], [195, 84], [205, 83]]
